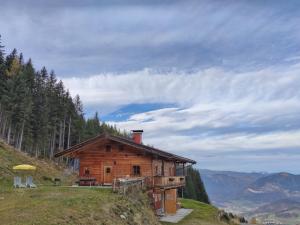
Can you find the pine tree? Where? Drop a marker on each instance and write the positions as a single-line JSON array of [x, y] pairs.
[[1, 52], [29, 76], [37, 113], [2, 81], [79, 121], [194, 186]]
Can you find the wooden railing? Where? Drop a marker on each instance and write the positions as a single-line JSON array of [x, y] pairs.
[[169, 181], [123, 184], [148, 182]]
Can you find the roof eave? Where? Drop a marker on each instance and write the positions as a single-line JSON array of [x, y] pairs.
[[148, 149]]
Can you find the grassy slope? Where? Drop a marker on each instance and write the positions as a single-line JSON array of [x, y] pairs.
[[203, 214], [65, 205], [62, 205], [46, 170], [48, 204]]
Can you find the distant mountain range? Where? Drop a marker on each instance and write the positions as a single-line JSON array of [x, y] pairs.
[[281, 208], [273, 187], [263, 195], [223, 186]]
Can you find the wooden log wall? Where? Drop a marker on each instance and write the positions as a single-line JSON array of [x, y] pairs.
[[120, 158], [169, 167]]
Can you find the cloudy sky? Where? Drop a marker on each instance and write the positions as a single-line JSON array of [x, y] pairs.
[[217, 81]]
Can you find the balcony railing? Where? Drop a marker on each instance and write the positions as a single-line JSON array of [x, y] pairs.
[[166, 181]]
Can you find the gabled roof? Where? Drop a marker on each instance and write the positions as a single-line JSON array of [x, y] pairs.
[[129, 142]]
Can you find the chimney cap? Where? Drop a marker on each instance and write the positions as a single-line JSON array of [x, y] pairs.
[[137, 131]]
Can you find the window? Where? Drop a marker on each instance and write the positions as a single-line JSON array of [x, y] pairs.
[[108, 170], [136, 170], [156, 170], [108, 148], [86, 171]]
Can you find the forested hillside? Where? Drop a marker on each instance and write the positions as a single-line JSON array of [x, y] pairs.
[[195, 188], [37, 114]]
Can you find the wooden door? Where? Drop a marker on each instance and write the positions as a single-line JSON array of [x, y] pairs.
[[171, 201], [108, 175]]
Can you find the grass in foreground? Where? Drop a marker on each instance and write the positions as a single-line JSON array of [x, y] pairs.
[[66, 205]]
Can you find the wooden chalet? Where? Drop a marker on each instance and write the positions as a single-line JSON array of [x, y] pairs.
[[107, 157]]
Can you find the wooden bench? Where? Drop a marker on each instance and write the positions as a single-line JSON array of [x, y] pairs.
[[87, 181]]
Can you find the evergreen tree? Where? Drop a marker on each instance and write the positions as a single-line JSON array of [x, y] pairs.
[[29, 76], [1, 52], [194, 186], [37, 113], [79, 122], [2, 84]]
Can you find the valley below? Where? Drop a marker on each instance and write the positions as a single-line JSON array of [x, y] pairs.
[[267, 197]]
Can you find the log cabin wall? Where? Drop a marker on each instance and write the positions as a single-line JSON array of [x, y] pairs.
[[120, 158], [169, 167], [157, 167]]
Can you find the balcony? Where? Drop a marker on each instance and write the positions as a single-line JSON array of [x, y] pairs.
[[169, 182]]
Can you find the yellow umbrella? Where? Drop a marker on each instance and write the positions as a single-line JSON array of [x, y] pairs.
[[24, 167]]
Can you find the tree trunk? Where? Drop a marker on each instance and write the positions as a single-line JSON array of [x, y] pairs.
[[21, 136], [1, 116], [60, 135], [44, 151], [8, 134], [36, 152], [53, 145], [63, 133], [4, 127], [69, 133]]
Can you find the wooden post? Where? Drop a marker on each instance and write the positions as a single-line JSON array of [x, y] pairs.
[[114, 185], [175, 170], [162, 168], [163, 201]]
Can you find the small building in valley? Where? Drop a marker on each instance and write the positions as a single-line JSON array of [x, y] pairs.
[[108, 157]]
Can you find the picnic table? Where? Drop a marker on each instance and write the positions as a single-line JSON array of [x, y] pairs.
[[87, 181]]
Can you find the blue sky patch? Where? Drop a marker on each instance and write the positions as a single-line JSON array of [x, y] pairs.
[[125, 112]]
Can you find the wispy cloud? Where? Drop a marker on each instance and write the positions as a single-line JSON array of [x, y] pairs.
[[88, 37], [215, 111], [215, 86]]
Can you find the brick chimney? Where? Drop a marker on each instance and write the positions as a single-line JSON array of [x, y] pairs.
[[137, 136]]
